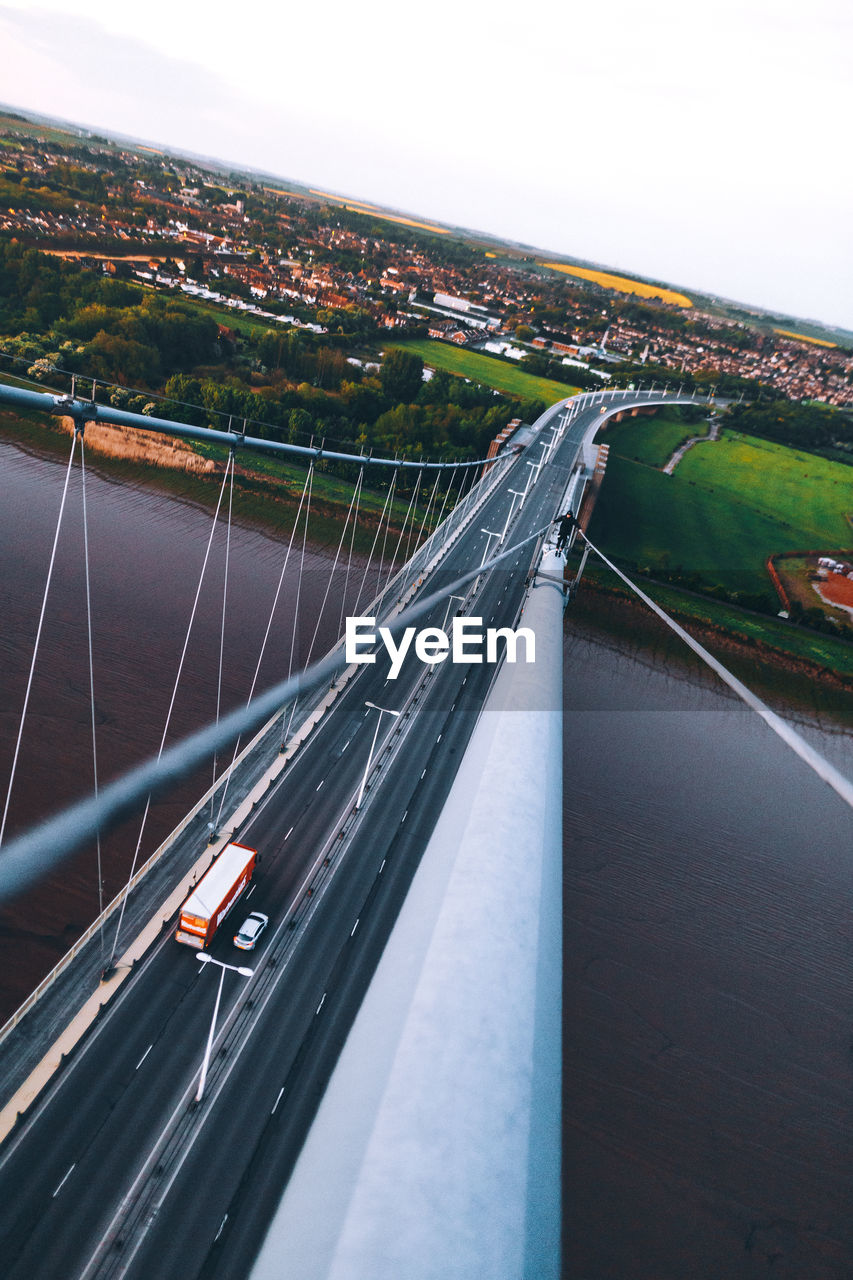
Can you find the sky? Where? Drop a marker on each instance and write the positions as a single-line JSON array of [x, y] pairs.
[[705, 145]]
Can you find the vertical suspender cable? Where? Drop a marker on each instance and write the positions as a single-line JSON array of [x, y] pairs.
[[414, 513], [38, 638], [412, 500], [91, 683], [349, 557], [334, 566], [446, 496], [426, 513], [387, 527], [224, 601], [263, 645], [385, 507], [284, 732], [169, 713]]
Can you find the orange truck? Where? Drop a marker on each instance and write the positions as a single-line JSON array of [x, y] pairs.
[[215, 895]]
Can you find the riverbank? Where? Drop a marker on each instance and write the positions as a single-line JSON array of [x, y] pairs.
[[784, 672], [266, 491]]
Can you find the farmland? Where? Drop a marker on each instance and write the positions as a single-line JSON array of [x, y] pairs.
[[727, 508], [488, 372], [622, 284]]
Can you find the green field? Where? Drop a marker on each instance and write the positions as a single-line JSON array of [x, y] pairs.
[[649, 440], [727, 508], [489, 372]]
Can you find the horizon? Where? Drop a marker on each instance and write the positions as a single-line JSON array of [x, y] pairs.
[[686, 167], [158, 146]]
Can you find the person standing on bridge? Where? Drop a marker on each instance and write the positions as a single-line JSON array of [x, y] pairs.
[[567, 523]]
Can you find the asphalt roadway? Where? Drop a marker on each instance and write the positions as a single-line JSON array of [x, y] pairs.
[[76, 1196]]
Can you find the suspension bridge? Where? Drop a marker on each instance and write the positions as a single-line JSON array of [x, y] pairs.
[[405, 998]]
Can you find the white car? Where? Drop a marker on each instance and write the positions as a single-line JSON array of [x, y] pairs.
[[250, 930]]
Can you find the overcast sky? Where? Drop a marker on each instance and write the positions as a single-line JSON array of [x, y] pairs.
[[707, 146]]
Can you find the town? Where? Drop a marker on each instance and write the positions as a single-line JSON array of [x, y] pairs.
[[306, 260]]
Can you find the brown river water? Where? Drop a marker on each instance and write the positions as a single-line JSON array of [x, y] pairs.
[[146, 555], [708, 1108]]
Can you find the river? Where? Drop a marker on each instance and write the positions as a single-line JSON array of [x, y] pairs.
[[708, 896], [708, 1108], [146, 553]]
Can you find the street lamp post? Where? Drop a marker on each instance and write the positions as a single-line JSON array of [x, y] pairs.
[[515, 494], [204, 958], [461, 600], [381, 710], [489, 535]]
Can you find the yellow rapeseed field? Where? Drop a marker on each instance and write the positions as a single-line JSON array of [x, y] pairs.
[[804, 337], [359, 206], [355, 204], [622, 283]]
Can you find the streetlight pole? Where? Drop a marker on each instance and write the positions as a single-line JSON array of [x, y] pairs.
[[461, 600], [490, 535], [381, 710], [515, 494], [204, 958]]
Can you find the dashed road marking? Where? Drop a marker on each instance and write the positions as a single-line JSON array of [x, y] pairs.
[[138, 1065], [64, 1180]]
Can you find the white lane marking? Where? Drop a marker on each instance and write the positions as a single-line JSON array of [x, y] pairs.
[[278, 1100], [453, 708], [64, 1180], [144, 1056], [382, 867], [438, 739], [322, 1002], [287, 837], [404, 817], [319, 784], [346, 744], [251, 891], [423, 773], [221, 1228], [353, 929]]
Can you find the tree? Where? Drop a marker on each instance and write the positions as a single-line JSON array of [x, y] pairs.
[[401, 375]]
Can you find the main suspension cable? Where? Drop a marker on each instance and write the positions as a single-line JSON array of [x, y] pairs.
[[38, 639], [822, 767]]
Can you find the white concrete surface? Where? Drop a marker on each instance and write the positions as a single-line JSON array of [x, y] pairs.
[[435, 1154]]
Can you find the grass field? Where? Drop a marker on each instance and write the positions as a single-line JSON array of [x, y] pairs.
[[649, 440], [622, 284], [490, 373], [727, 508]]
